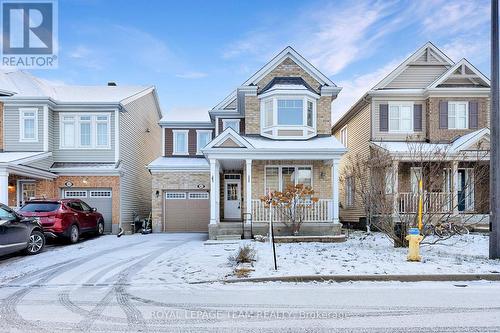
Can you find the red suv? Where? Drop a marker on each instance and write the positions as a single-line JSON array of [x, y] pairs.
[[68, 218]]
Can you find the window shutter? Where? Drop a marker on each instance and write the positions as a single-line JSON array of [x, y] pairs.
[[384, 117], [473, 115], [443, 115], [417, 117]]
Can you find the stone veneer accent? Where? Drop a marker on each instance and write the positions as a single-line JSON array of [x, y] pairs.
[[173, 181], [288, 68], [436, 134]]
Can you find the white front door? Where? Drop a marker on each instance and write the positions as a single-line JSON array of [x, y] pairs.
[[232, 198]]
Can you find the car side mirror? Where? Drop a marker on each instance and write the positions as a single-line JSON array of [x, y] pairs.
[[94, 209]]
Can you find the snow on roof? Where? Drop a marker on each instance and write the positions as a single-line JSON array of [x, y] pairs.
[[12, 157], [174, 163], [83, 165], [25, 85], [406, 147], [317, 143]]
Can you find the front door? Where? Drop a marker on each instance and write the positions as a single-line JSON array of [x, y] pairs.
[[465, 189], [27, 192], [232, 197]]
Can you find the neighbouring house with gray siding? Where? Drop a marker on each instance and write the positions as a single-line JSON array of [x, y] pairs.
[[88, 142], [430, 119]]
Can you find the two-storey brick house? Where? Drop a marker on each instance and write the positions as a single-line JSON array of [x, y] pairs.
[[88, 142], [273, 130], [431, 104]]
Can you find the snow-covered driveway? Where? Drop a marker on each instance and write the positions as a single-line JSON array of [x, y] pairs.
[[115, 285]]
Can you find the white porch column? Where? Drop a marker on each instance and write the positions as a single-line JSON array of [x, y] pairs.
[[454, 194], [217, 193], [4, 187], [395, 189], [248, 186], [335, 191], [213, 191]]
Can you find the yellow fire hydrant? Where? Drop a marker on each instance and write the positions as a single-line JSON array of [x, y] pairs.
[[414, 238]]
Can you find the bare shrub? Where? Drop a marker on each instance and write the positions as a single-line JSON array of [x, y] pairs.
[[245, 255]]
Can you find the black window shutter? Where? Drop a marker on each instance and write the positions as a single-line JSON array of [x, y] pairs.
[[417, 117], [443, 115], [384, 117], [473, 115]]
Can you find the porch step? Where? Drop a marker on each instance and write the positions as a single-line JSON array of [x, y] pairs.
[[229, 237]]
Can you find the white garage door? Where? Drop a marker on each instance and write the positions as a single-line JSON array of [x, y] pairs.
[[186, 211], [99, 198]]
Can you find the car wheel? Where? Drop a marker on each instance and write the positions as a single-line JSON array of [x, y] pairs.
[[100, 228], [74, 234], [36, 243]]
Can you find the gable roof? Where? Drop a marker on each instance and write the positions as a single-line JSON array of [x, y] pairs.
[[466, 70], [289, 52], [228, 134], [287, 81], [427, 54]]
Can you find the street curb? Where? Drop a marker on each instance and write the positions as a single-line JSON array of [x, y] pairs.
[[371, 277]]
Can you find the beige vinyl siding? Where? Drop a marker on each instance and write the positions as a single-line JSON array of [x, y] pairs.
[[12, 133], [82, 155], [391, 136], [417, 76], [137, 149], [357, 145]]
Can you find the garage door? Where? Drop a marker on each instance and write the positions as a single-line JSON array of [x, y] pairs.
[[100, 198], [186, 211]]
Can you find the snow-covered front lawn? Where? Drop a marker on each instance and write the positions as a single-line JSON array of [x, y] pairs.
[[361, 254]]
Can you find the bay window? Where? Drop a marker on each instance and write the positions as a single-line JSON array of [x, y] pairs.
[[28, 121], [458, 115], [400, 116], [288, 117], [84, 131], [277, 178]]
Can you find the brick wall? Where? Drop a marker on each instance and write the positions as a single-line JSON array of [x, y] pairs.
[[435, 134], [252, 115], [173, 181]]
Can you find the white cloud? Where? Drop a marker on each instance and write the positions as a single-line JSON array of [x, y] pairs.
[[187, 113], [476, 50], [191, 75]]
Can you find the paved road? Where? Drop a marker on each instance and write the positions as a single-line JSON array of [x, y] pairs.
[[94, 292]]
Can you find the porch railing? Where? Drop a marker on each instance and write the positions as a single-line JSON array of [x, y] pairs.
[[436, 202], [318, 212]]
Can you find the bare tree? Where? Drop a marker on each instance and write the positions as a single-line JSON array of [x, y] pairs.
[[291, 205], [392, 208]]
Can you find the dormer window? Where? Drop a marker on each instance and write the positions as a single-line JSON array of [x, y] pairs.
[[232, 123], [288, 117]]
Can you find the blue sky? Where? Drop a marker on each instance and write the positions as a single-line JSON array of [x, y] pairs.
[[197, 52]]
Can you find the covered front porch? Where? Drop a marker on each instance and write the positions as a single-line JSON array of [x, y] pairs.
[[242, 173]]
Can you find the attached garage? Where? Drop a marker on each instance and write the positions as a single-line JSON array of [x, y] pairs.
[[186, 211], [99, 198]]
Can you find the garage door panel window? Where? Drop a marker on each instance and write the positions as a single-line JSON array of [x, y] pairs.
[[75, 194], [198, 196], [100, 194], [176, 196]]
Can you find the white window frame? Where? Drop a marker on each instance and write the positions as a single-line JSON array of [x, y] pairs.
[[399, 105], [226, 121], [77, 135], [22, 117], [280, 174], [198, 132], [174, 140], [343, 136], [275, 127], [455, 103]]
